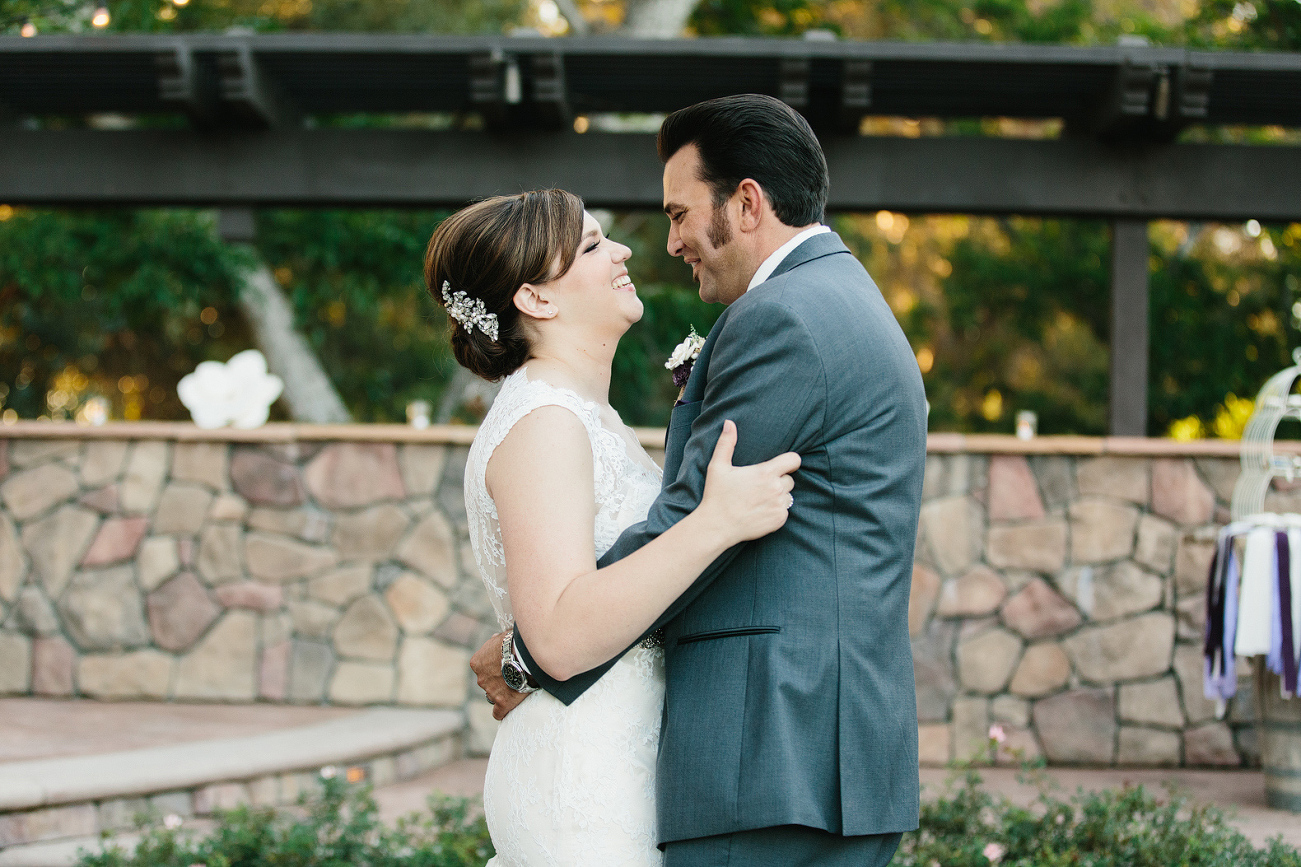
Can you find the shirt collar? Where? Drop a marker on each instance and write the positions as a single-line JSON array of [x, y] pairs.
[[770, 264]]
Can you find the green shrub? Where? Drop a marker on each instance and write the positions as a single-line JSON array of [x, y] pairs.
[[965, 827], [339, 827], [1132, 827]]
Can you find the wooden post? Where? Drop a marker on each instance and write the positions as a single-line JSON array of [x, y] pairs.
[[1127, 415]]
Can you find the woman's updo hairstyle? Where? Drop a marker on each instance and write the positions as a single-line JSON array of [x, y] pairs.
[[488, 251]]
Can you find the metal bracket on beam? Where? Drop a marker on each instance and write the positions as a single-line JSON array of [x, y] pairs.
[[250, 94], [550, 99], [1152, 102], [495, 86], [793, 83], [182, 82], [855, 93], [520, 91], [1131, 100], [1192, 93]]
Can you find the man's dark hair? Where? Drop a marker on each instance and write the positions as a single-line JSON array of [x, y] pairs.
[[753, 136]]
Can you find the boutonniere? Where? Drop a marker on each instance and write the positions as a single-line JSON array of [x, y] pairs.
[[683, 357]]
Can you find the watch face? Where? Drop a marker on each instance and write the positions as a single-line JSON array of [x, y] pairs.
[[514, 677]]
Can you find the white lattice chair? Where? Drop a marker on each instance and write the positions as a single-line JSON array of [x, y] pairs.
[[1260, 465]]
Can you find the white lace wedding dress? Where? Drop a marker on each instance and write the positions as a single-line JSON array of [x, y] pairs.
[[572, 786]]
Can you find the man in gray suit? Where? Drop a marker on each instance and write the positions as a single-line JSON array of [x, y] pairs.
[[790, 728]]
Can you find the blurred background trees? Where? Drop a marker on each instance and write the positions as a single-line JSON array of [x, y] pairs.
[[1003, 314]]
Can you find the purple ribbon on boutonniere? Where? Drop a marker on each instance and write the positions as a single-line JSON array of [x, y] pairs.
[[682, 359]]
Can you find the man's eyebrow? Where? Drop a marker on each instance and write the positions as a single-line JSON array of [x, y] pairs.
[[670, 207]]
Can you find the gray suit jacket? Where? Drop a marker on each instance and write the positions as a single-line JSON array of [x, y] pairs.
[[790, 694]]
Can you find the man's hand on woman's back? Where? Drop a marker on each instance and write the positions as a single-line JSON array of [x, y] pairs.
[[486, 665]]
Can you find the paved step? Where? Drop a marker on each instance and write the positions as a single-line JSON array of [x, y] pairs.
[[76, 798]]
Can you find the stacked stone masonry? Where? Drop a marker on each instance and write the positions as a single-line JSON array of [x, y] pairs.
[[305, 572], [1058, 595], [1062, 597]]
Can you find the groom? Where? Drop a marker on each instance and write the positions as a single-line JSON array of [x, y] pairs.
[[790, 728]]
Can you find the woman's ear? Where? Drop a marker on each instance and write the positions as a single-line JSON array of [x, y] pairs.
[[533, 302]]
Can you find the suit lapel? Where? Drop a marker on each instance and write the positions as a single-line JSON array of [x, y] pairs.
[[695, 387]]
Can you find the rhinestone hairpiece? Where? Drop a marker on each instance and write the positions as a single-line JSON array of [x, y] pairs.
[[469, 312]]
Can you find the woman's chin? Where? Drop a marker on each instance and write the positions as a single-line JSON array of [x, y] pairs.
[[635, 313]]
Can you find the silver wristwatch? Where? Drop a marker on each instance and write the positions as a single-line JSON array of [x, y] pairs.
[[514, 673]]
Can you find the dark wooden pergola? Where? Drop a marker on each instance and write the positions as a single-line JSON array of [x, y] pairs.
[[242, 122]]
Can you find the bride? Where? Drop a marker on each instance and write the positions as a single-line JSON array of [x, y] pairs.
[[536, 294]]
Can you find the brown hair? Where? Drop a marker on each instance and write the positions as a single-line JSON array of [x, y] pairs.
[[488, 251]]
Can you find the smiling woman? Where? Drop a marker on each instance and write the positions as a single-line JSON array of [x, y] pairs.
[[489, 250]]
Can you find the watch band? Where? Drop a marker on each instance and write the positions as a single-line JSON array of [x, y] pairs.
[[513, 670]]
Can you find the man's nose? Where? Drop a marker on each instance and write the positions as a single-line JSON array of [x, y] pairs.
[[675, 240]]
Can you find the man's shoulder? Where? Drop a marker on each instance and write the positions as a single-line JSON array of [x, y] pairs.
[[826, 286], [817, 246]]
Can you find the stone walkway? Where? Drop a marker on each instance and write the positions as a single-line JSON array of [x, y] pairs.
[[33, 728], [73, 770]]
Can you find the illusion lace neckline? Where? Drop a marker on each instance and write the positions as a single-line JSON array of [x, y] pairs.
[[592, 407]]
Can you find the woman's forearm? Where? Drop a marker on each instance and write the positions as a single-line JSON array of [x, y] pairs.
[[600, 613]]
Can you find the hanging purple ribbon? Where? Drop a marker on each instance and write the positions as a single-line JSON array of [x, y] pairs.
[[1287, 657], [1220, 680]]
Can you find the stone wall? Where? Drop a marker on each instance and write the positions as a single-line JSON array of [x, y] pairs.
[[295, 570], [1062, 597], [1057, 588]]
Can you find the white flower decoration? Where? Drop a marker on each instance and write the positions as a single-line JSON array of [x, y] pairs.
[[238, 393]]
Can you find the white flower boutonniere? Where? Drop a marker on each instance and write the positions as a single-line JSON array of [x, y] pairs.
[[684, 357]]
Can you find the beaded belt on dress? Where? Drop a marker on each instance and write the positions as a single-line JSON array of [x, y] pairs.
[[652, 641]]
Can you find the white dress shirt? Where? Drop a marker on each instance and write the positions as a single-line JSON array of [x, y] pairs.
[[770, 264]]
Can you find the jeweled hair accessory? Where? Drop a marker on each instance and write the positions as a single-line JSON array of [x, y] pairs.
[[469, 312]]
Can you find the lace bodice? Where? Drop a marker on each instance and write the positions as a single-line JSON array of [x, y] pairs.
[[623, 486]]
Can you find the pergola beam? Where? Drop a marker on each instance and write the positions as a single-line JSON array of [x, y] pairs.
[[403, 168]]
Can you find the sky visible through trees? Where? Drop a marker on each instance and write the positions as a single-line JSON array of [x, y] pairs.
[[1004, 314]]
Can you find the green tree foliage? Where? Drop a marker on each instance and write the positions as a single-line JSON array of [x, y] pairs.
[[1020, 318], [152, 16], [1222, 316], [1021, 328], [1061, 22], [355, 281], [119, 304], [1247, 24]]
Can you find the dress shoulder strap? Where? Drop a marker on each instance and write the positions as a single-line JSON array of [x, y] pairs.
[[520, 396]]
